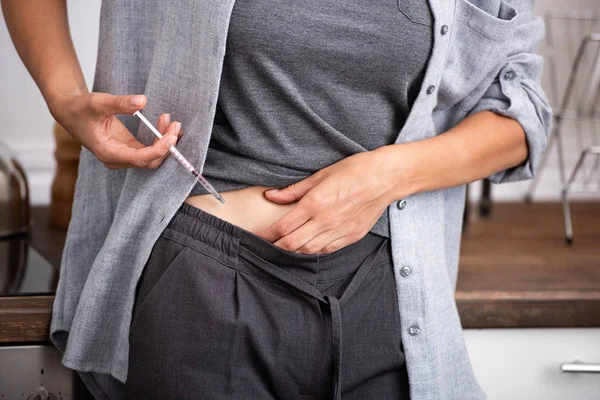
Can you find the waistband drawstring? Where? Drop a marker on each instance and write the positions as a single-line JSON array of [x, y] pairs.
[[333, 303]]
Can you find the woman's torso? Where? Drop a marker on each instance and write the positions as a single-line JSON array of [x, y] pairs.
[[305, 85]]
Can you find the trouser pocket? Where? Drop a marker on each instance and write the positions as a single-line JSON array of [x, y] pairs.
[[184, 329], [165, 254]]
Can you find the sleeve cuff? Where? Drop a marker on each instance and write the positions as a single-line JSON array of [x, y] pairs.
[[514, 96]]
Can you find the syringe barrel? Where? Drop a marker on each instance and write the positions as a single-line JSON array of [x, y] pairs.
[[182, 159]]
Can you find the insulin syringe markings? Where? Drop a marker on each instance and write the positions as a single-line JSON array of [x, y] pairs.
[[182, 160]]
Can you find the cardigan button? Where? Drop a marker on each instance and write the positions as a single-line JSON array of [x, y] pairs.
[[405, 271], [509, 75], [401, 204], [431, 89], [414, 330], [444, 29]]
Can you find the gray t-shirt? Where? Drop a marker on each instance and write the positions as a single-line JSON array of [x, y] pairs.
[[306, 84]]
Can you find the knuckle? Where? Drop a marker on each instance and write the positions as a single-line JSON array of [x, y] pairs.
[[153, 165], [139, 162], [283, 228], [330, 248], [101, 155], [121, 103], [289, 244], [311, 248]]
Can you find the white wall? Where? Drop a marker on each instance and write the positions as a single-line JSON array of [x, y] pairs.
[[27, 125], [26, 122]]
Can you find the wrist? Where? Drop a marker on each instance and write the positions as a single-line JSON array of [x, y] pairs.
[[59, 102], [61, 86], [401, 169]]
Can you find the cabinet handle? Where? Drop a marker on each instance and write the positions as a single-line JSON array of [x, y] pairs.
[[580, 367]]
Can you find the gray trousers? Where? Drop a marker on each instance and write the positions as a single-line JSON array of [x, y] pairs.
[[221, 313]]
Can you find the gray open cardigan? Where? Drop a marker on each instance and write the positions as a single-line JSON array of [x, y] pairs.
[[483, 59]]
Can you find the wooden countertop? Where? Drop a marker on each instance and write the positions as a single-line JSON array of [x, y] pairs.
[[515, 271], [26, 319]]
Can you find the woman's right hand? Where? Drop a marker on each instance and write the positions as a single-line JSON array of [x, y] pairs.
[[90, 119]]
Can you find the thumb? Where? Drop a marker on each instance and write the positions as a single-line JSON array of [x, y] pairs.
[[108, 104], [291, 193]]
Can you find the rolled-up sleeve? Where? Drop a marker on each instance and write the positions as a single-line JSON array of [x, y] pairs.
[[516, 92]]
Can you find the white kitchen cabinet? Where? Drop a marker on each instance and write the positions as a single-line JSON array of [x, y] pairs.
[[525, 364]]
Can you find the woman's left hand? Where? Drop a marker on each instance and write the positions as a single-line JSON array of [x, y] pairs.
[[337, 205]]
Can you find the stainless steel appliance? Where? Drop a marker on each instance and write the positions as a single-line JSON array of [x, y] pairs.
[[14, 220], [27, 370]]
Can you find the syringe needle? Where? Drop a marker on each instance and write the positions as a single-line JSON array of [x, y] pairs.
[[183, 160], [208, 186]]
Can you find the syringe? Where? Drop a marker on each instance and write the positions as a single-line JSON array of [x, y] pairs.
[[182, 160]]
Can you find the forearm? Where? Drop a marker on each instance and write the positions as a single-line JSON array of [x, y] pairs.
[[482, 144], [40, 33]]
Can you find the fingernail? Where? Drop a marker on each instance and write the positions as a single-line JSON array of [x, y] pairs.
[[177, 127], [272, 190], [167, 118], [137, 100]]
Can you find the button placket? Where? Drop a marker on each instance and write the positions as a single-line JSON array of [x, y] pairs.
[[412, 308]]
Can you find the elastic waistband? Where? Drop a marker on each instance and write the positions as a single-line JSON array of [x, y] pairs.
[[227, 238]]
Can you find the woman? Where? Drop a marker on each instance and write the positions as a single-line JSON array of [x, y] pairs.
[[370, 117]]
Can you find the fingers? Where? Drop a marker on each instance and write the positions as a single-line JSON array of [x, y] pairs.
[[287, 224], [135, 154], [295, 191], [176, 128], [163, 123], [306, 230], [302, 238], [153, 156], [108, 104], [326, 242], [337, 244]]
